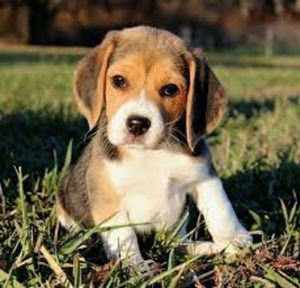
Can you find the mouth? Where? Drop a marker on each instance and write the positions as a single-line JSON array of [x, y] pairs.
[[146, 142], [143, 141], [134, 140]]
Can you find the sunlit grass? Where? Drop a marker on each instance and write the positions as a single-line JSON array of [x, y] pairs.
[[256, 151]]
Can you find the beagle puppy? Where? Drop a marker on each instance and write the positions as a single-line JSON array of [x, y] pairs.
[[149, 101]]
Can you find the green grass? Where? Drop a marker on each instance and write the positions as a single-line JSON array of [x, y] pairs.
[[256, 151]]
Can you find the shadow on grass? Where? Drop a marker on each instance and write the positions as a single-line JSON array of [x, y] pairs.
[[254, 107], [259, 188], [35, 140], [251, 108]]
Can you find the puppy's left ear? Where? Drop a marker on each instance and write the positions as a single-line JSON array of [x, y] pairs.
[[206, 101]]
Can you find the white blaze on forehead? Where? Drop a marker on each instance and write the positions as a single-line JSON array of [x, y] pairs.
[[141, 106]]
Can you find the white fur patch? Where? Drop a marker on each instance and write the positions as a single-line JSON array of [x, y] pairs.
[[117, 131], [153, 185]]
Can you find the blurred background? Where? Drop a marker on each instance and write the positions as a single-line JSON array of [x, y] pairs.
[[253, 47], [260, 25]]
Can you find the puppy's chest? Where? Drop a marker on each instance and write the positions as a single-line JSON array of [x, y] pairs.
[[153, 186]]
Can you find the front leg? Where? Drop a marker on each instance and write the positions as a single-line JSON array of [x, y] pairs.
[[225, 228], [121, 243]]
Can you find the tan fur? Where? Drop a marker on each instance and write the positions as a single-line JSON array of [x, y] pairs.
[[106, 203], [149, 81]]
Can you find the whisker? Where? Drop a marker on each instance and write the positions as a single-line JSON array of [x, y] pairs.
[[180, 133], [172, 121], [175, 139], [85, 138]]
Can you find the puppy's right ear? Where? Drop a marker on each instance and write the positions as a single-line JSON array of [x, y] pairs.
[[89, 80]]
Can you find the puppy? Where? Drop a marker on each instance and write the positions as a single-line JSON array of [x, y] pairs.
[[150, 102]]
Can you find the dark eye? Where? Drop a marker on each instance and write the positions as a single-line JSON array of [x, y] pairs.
[[168, 90], [119, 81]]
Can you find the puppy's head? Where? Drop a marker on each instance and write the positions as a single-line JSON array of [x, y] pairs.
[[145, 80]]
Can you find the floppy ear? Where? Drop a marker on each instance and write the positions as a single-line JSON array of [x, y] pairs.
[[89, 80], [206, 101]]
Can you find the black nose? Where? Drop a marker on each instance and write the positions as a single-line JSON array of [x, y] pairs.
[[137, 125]]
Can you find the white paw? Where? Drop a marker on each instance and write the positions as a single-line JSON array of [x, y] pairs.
[[200, 248], [137, 263], [234, 244], [143, 267], [207, 248]]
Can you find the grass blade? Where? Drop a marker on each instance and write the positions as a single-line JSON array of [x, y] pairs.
[[68, 157], [22, 203], [77, 274], [276, 277], [55, 267]]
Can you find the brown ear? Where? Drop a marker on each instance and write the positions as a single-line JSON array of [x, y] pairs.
[[206, 101], [89, 80]]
